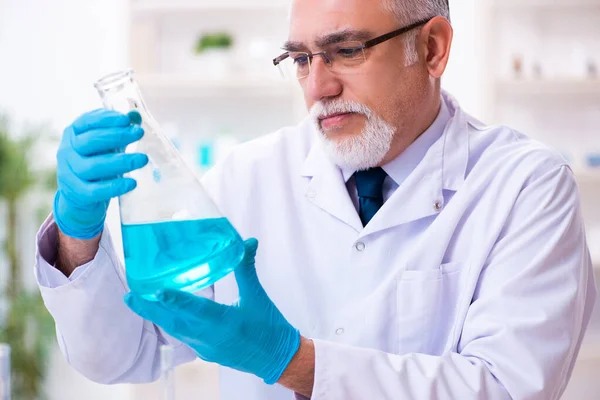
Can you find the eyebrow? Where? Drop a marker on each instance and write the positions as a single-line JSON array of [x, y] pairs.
[[329, 39]]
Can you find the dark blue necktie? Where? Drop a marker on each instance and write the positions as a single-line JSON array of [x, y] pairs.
[[369, 185]]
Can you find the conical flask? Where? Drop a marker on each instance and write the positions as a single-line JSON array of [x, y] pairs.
[[173, 234]]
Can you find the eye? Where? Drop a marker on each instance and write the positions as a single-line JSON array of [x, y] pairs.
[[349, 52], [301, 60]]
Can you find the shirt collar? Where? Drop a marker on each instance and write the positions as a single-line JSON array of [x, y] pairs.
[[400, 167]]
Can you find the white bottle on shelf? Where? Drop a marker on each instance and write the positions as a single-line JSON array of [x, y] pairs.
[[167, 371], [5, 388]]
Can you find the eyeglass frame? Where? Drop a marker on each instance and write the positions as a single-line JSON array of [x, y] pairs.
[[366, 45]]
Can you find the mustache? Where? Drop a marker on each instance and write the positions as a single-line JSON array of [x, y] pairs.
[[324, 109]]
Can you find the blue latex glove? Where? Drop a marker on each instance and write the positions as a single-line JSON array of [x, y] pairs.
[[250, 336], [90, 162]]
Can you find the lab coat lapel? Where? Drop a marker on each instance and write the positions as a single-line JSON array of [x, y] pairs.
[[327, 188], [419, 196]]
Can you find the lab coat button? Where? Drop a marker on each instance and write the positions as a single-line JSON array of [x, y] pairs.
[[311, 194], [360, 246], [339, 331], [437, 206]]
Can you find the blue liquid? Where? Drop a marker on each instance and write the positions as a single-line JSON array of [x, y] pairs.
[[184, 255]]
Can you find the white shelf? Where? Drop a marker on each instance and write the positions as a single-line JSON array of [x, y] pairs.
[[165, 6], [587, 175], [590, 347], [563, 87], [595, 261], [189, 86], [546, 4]]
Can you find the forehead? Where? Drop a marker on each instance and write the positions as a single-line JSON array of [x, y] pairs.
[[310, 19]]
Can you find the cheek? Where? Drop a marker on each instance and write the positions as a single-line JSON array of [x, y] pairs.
[[391, 90], [363, 88], [309, 102], [376, 93]]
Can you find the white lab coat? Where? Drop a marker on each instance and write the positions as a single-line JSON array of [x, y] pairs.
[[473, 281]]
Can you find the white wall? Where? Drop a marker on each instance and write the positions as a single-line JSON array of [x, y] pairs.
[[464, 75], [53, 51]]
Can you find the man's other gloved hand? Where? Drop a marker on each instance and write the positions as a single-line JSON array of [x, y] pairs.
[[90, 165]]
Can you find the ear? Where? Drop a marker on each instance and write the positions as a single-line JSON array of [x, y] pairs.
[[435, 41]]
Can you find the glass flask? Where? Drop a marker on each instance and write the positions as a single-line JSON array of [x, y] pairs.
[[173, 234], [5, 389]]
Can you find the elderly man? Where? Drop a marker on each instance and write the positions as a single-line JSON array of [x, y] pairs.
[[407, 251]]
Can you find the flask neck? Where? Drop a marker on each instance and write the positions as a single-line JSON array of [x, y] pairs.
[[120, 92]]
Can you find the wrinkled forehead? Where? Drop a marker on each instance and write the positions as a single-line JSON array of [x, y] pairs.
[[311, 21]]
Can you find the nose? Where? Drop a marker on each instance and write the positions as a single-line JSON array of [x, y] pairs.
[[321, 83]]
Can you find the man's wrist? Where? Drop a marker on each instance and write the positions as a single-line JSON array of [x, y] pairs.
[[73, 253], [299, 375]]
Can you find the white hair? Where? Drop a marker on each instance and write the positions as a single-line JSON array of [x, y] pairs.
[[411, 11]]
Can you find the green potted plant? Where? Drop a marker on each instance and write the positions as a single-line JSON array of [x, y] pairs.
[[26, 325], [213, 41], [213, 54]]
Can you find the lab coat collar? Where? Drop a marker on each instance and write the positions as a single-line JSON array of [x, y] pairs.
[[327, 188], [442, 168], [455, 143]]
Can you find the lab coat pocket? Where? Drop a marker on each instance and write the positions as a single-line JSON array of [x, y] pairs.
[[426, 307]]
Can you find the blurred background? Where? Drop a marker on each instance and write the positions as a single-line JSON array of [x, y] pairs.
[[205, 70]]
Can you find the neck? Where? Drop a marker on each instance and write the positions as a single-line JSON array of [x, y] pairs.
[[426, 117]]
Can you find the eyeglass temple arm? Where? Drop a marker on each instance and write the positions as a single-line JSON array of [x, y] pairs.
[[398, 32], [278, 60]]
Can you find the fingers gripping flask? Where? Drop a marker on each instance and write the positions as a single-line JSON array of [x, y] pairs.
[[173, 234]]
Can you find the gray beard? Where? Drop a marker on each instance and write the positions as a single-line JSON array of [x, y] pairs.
[[361, 151]]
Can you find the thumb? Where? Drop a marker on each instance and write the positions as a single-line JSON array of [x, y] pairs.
[[191, 307], [245, 273], [250, 248], [149, 310]]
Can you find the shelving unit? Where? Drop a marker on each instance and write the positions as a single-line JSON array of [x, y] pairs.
[[236, 94], [542, 5], [161, 7], [545, 87], [179, 86], [540, 56]]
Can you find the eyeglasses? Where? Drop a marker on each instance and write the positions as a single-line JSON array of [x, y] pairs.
[[340, 57]]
